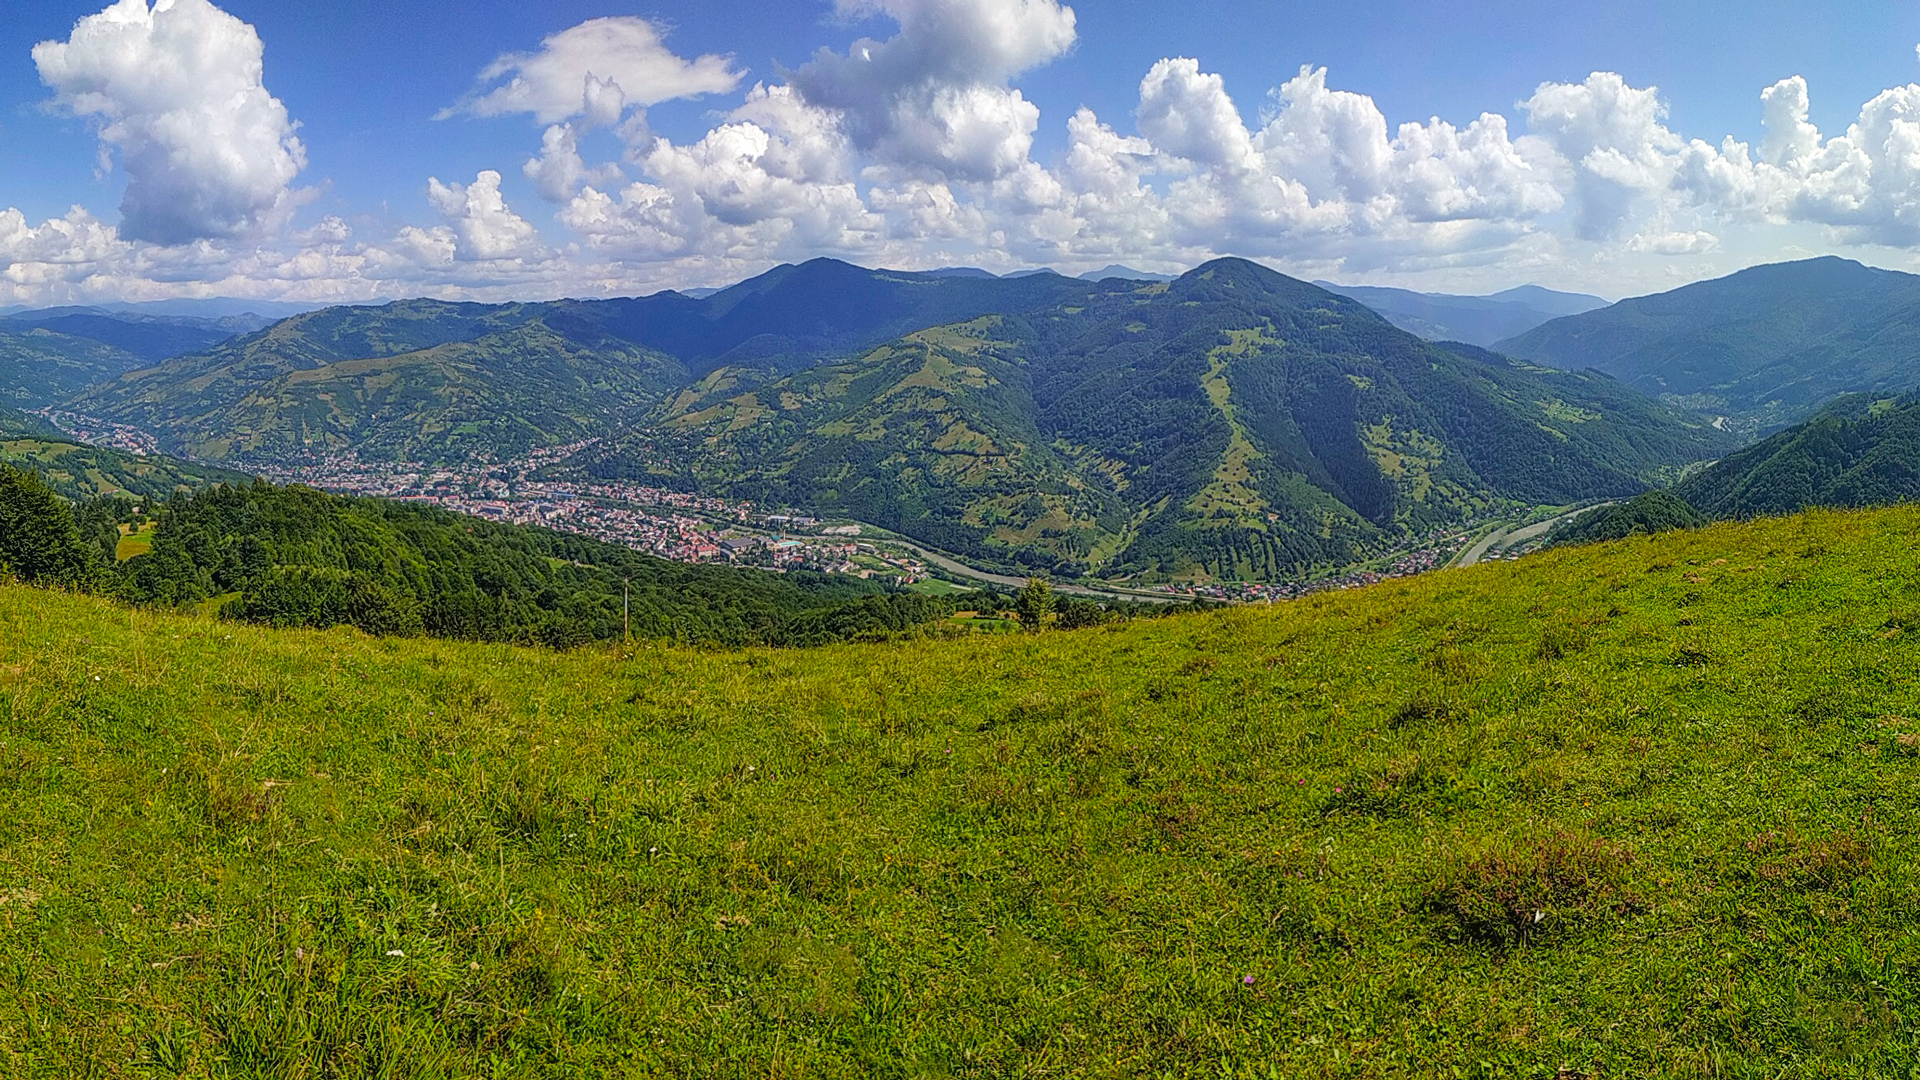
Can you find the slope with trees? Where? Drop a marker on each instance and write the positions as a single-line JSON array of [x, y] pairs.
[[1233, 423], [1766, 346], [291, 556], [1860, 452], [1653, 512], [39, 367]]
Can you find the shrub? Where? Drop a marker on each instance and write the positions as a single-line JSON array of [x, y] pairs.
[[1516, 894]]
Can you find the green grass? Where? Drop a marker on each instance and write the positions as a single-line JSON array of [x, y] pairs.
[[133, 542], [939, 587], [1643, 809]]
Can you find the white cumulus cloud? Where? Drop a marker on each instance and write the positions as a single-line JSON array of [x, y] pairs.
[[482, 225], [595, 70], [177, 91], [935, 97]]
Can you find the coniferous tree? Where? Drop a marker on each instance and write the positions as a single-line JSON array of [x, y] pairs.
[[39, 543], [1034, 603]]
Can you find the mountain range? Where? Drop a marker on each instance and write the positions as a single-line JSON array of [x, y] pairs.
[[1230, 423], [1475, 320], [1234, 422], [145, 336], [1764, 347]]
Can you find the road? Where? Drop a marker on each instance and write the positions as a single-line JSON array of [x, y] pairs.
[[1509, 537], [963, 570]]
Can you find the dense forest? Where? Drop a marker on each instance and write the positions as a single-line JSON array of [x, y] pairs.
[[1858, 452], [1653, 512], [296, 557]]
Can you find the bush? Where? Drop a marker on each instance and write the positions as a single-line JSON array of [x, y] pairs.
[[1511, 895]]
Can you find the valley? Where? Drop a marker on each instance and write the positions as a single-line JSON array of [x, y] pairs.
[[959, 540], [1230, 434], [1228, 426]]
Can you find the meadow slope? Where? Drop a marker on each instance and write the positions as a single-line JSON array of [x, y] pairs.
[[1640, 809]]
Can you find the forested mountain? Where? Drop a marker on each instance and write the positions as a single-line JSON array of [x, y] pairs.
[[41, 367], [1764, 346], [81, 472], [1653, 512], [1476, 320], [15, 424], [425, 378], [502, 394], [149, 337], [1235, 422], [1860, 452]]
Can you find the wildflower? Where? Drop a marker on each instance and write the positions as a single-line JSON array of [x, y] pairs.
[[1246, 980]]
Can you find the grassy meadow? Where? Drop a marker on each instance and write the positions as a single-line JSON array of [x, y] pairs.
[[1640, 809]]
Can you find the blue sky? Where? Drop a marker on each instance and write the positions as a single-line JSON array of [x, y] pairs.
[[361, 83]]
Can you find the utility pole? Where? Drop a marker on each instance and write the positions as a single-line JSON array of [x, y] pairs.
[[626, 611]]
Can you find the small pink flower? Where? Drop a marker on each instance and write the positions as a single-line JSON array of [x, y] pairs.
[[1246, 980]]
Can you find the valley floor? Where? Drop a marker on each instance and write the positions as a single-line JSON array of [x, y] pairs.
[[1641, 809]]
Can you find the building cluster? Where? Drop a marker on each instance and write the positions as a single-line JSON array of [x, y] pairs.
[[670, 524], [102, 433]]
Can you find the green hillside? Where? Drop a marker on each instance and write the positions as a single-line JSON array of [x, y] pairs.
[[310, 383], [40, 367], [501, 395], [15, 424], [1765, 346], [1638, 809], [1653, 512], [85, 472], [1859, 453], [296, 557], [81, 472], [1233, 423]]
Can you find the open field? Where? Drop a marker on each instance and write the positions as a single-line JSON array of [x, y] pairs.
[[1641, 809], [133, 541]]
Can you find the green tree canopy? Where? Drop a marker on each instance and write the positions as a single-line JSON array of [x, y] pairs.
[[1034, 603], [39, 542]]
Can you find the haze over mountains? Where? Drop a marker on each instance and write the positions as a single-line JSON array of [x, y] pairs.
[[1476, 320]]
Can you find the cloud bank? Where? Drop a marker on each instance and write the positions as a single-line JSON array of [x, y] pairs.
[[917, 150]]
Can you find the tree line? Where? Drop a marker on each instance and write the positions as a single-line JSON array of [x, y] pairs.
[[297, 557]]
